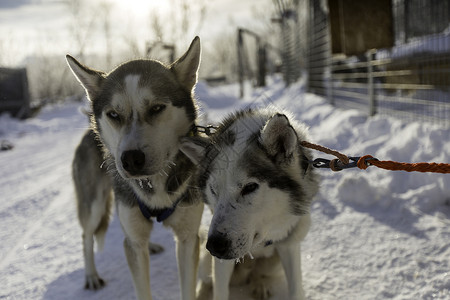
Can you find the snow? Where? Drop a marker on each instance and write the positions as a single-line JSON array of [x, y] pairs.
[[376, 234], [435, 43]]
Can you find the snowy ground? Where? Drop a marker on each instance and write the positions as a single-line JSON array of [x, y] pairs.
[[376, 234]]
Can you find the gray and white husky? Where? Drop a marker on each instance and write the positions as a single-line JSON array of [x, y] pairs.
[[140, 110], [254, 175]]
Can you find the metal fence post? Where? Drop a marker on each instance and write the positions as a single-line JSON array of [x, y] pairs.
[[370, 86], [330, 84], [240, 43], [261, 77]]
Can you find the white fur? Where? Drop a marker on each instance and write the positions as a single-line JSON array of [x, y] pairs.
[[158, 139], [140, 135], [250, 220]]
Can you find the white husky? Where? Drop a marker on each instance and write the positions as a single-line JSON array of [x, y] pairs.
[[140, 111], [254, 175]]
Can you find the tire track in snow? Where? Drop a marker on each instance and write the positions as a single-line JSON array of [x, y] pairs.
[[36, 191]]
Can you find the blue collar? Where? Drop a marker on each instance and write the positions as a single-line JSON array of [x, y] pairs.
[[160, 214]]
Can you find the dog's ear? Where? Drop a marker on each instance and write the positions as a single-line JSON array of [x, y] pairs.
[[194, 147], [90, 79], [279, 138], [186, 67]]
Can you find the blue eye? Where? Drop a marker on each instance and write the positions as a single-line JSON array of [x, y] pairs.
[[113, 115], [249, 188]]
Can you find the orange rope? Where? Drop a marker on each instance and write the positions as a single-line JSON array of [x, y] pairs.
[[342, 157], [365, 161]]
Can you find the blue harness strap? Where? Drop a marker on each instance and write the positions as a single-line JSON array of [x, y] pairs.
[[160, 214]]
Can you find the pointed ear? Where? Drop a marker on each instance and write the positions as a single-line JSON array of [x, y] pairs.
[[279, 138], [186, 67], [90, 79], [194, 148]]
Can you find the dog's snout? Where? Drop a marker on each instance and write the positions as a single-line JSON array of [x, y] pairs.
[[133, 161], [218, 245]]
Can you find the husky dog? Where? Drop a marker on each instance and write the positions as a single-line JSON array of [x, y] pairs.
[[140, 111], [254, 175]]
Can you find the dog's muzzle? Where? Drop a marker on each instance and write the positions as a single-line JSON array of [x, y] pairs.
[[133, 161], [218, 245]]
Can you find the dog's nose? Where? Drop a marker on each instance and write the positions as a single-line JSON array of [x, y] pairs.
[[133, 161], [218, 245]]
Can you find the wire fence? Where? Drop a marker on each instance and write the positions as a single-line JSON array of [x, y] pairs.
[[409, 77]]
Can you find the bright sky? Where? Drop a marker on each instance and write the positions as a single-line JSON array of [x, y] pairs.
[[30, 27]]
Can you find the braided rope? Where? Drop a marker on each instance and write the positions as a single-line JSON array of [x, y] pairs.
[[365, 161], [342, 157]]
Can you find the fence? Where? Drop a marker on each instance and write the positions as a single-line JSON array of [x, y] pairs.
[[408, 85], [385, 56], [256, 58]]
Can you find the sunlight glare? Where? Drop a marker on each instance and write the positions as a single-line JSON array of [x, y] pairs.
[[142, 7]]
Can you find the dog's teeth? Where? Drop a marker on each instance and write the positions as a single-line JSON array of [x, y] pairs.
[[251, 256], [149, 184], [140, 184]]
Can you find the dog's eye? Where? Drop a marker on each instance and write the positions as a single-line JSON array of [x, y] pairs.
[[156, 109], [113, 115], [249, 188], [212, 191]]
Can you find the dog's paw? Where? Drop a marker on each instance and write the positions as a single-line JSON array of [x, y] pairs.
[[204, 291], [94, 282], [155, 248], [261, 292], [261, 288]]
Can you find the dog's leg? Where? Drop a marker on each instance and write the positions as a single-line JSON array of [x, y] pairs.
[[187, 257], [204, 284], [291, 260], [93, 281], [263, 274], [221, 278], [94, 222], [137, 231], [185, 223]]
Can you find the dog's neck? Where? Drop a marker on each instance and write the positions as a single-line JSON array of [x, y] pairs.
[[171, 187]]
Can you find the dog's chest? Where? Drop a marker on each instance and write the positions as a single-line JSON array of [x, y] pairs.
[[154, 193]]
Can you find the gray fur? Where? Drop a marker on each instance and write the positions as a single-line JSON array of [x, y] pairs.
[[141, 109], [258, 159], [260, 190], [93, 187]]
